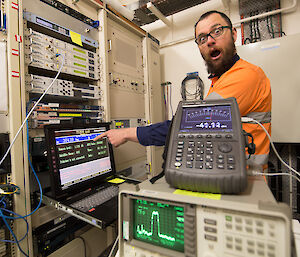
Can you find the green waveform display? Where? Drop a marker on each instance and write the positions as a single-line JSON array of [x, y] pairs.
[[159, 224]]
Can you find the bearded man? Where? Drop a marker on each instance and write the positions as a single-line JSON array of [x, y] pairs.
[[231, 76]]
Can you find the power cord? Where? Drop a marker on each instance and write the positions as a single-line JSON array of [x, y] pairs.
[[251, 145], [250, 120]]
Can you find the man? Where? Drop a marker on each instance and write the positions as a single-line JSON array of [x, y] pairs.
[[230, 76]]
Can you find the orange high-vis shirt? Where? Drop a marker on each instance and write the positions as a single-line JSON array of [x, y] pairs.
[[251, 88]]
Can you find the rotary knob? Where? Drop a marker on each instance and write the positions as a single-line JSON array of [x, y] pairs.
[[225, 148]]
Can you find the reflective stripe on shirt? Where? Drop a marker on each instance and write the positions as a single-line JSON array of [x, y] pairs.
[[258, 159], [262, 117]]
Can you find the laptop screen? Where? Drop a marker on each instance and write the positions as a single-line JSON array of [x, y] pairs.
[[76, 162]]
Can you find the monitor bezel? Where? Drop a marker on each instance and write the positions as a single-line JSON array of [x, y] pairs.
[[56, 189]]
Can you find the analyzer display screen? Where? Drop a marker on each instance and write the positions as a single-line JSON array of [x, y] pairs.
[[206, 118], [159, 224]]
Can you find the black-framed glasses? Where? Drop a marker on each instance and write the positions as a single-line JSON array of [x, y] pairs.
[[216, 32]]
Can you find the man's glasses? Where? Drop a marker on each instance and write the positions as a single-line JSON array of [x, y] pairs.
[[216, 32]]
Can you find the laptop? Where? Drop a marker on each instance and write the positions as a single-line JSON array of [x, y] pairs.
[[80, 169]]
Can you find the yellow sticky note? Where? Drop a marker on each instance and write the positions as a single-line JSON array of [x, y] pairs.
[[197, 194], [116, 180], [76, 38]]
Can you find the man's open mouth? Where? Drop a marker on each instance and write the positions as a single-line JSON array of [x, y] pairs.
[[215, 53]]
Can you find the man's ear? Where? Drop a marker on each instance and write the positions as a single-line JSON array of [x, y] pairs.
[[234, 34]]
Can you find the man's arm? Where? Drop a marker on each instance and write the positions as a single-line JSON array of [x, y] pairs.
[[154, 134], [118, 137]]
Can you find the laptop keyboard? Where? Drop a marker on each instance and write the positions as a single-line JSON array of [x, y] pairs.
[[96, 199]]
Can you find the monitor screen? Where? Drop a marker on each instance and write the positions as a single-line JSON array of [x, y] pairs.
[[159, 224], [76, 161], [215, 118]]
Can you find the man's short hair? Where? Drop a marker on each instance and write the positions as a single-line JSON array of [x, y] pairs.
[[223, 15]]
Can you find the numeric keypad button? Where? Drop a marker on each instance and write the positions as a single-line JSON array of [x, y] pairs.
[[230, 159], [198, 165]]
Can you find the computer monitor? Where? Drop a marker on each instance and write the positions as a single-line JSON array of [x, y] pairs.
[[76, 161]]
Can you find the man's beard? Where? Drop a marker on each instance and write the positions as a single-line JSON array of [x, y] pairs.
[[226, 63]]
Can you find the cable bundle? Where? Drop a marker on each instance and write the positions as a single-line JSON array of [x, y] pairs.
[[199, 87]]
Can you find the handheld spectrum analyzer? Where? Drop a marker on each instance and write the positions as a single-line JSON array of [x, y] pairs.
[[206, 149]]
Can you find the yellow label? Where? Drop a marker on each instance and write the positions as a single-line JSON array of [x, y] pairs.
[[197, 194], [79, 72], [116, 180], [76, 38], [80, 58], [79, 50], [70, 115], [80, 65]]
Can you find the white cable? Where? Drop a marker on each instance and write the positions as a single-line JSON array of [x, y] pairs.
[[255, 173], [247, 120], [29, 113]]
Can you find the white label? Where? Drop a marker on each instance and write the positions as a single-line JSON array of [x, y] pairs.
[[125, 230]]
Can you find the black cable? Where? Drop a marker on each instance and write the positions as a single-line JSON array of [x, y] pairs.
[[254, 30], [251, 30], [170, 102], [250, 146], [268, 26], [84, 245], [257, 28], [164, 155], [273, 33], [247, 41]]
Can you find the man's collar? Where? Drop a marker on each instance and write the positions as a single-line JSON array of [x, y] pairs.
[[235, 58]]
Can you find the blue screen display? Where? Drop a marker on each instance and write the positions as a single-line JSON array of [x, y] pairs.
[[76, 138], [206, 118]]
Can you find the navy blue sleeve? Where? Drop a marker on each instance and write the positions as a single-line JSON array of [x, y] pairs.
[[154, 134]]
